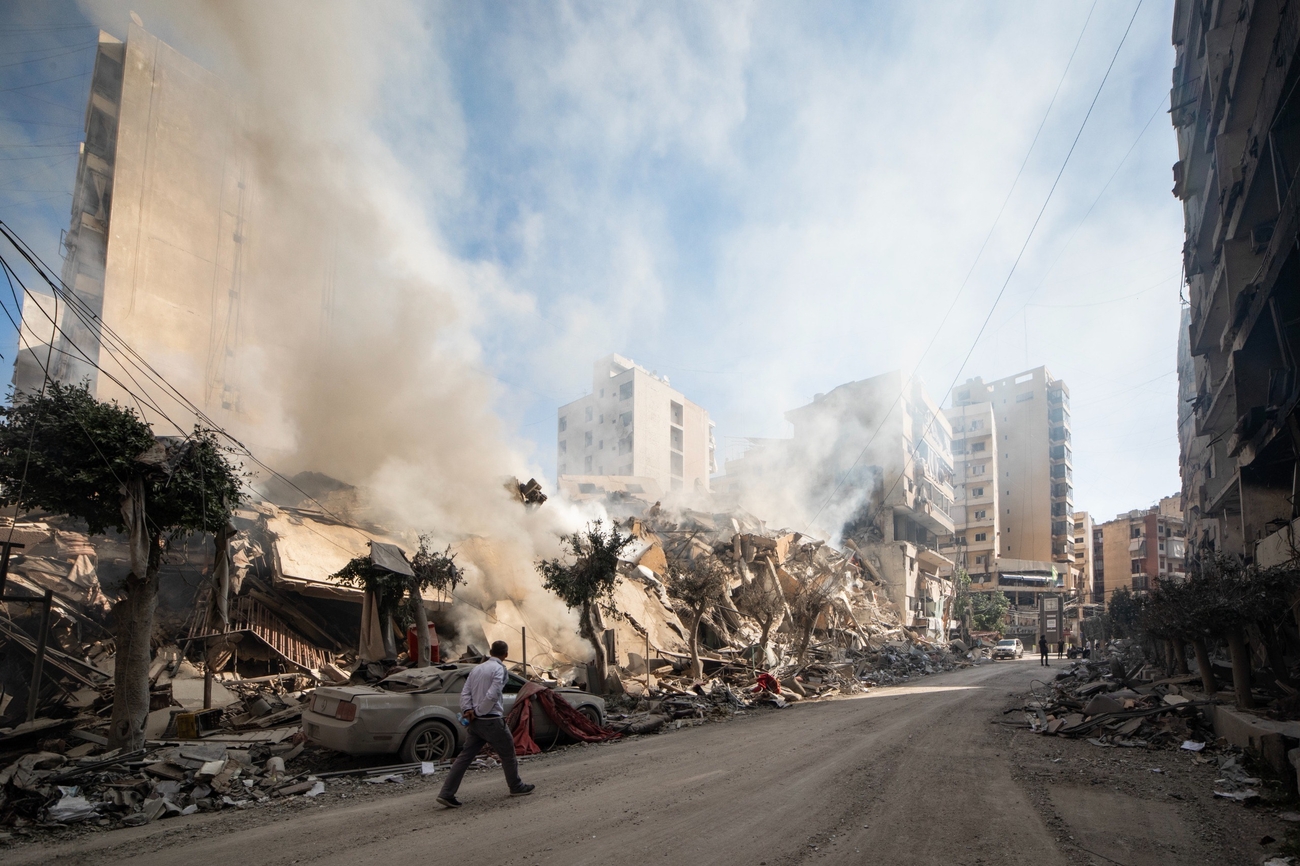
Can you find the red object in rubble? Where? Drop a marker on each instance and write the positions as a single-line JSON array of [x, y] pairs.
[[413, 644], [566, 718], [767, 681]]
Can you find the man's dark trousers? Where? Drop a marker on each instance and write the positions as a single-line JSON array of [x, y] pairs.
[[484, 732]]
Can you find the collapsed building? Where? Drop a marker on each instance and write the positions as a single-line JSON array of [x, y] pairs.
[[872, 459]]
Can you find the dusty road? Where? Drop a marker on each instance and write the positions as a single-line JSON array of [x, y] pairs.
[[920, 774]]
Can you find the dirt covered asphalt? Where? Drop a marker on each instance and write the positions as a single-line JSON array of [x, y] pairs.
[[909, 775]]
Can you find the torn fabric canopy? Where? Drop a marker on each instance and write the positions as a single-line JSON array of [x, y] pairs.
[[389, 557]]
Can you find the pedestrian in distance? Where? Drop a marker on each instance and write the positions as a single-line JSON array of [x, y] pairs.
[[1060, 649], [1043, 650], [482, 712]]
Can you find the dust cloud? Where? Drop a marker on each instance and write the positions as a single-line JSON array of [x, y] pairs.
[[357, 355]]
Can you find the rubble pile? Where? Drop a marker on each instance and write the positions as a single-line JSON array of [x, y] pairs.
[[816, 617], [1112, 705]]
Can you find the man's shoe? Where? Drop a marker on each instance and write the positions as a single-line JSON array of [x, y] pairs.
[[522, 790], [450, 802]]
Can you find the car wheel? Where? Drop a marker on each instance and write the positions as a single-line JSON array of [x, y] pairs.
[[592, 714], [429, 741]]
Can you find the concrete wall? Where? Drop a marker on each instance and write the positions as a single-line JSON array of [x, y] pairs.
[[172, 281]]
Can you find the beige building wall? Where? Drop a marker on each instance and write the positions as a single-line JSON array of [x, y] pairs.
[[1035, 464], [1085, 571], [635, 424]]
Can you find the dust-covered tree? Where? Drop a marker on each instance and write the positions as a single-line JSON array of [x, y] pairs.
[[806, 608], [698, 585], [67, 453], [762, 603], [1125, 611], [584, 578], [433, 570]]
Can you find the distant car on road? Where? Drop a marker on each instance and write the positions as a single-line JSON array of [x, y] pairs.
[[416, 713], [1011, 648]]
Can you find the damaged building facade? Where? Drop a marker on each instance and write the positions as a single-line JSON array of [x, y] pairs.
[[1236, 111], [878, 452], [636, 427]]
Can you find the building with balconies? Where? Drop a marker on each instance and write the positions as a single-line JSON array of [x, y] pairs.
[[976, 525], [1142, 547], [1235, 110]]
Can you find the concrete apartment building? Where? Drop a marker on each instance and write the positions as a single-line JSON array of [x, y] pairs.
[[1235, 112], [887, 446], [633, 424], [1142, 547], [1014, 515], [155, 243]]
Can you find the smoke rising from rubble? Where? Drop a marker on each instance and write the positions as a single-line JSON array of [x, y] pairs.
[[358, 356]]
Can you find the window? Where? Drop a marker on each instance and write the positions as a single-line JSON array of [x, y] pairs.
[[586, 438], [977, 491], [675, 438], [625, 391], [1060, 452], [1059, 527], [977, 446], [625, 419], [601, 446], [981, 514], [587, 464], [981, 536], [676, 413], [1056, 414], [977, 470], [1058, 470], [1021, 398], [625, 445], [981, 560], [602, 393], [963, 395], [602, 418], [564, 446], [1135, 532], [677, 465], [1135, 565], [564, 424], [977, 425], [588, 413]]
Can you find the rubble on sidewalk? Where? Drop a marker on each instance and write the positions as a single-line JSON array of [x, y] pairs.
[[1112, 705]]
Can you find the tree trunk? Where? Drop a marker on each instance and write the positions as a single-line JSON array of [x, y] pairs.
[[219, 611], [1169, 657], [1180, 656], [1240, 653], [133, 615], [697, 669], [1273, 650], [425, 651], [767, 630], [1208, 682], [599, 668]]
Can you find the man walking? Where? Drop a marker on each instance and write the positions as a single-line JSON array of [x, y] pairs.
[[481, 706], [1043, 650], [1060, 649]]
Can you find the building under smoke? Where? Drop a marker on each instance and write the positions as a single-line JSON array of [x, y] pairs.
[[871, 461], [155, 247], [634, 426]]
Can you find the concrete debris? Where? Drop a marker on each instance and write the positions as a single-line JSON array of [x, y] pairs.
[[1109, 705]]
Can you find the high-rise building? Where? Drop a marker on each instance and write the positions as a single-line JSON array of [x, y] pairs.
[[155, 245], [635, 424], [1034, 481], [1234, 109], [975, 510], [871, 460]]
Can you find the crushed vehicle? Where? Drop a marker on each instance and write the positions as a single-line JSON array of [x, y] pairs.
[[1010, 648], [416, 714]]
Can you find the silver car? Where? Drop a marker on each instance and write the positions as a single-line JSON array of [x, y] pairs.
[[416, 713]]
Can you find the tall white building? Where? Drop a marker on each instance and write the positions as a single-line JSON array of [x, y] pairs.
[[634, 424]]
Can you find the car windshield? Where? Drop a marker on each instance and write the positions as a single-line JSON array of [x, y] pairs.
[[1006, 643]]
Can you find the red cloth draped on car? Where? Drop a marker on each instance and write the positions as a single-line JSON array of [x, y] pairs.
[[566, 718]]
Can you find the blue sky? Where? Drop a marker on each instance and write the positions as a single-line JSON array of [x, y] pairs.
[[761, 201]]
